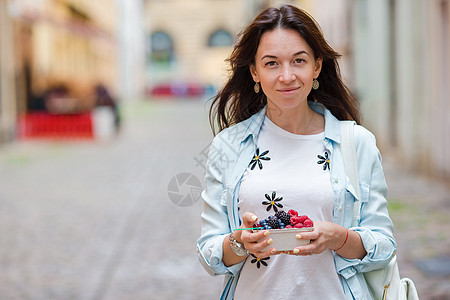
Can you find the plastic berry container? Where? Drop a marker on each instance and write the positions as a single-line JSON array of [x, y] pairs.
[[285, 240]]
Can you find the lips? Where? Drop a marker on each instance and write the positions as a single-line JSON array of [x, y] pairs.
[[288, 90]]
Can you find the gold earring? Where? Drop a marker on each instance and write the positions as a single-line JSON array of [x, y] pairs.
[[256, 87], [315, 84]]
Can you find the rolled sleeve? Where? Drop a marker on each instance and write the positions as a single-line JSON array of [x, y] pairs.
[[379, 248], [210, 256], [215, 224]]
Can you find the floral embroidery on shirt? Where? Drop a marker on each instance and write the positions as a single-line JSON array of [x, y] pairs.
[[259, 261], [325, 160], [257, 159], [273, 202]]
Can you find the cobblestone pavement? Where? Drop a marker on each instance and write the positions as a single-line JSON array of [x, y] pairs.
[[420, 210], [93, 220]]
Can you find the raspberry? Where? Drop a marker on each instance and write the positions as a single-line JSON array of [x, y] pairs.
[[293, 213], [289, 226], [283, 216], [294, 220], [298, 225], [308, 223], [302, 219]]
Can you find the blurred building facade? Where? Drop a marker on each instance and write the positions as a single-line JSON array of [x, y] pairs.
[[66, 46], [401, 61], [396, 60], [8, 106], [131, 49], [190, 40]]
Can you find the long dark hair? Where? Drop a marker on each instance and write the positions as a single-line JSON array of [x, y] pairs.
[[237, 101]]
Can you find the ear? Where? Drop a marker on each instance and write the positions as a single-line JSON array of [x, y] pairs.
[[254, 73], [318, 67]]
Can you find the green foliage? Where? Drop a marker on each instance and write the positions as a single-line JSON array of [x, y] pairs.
[[396, 206]]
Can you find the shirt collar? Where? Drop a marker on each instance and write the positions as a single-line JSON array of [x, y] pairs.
[[254, 125], [332, 125]]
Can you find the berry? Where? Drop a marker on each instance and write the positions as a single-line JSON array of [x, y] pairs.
[[284, 216], [308, 223], [282, 220], [302, 219], [294, 220], [293, 212], [273, 222]]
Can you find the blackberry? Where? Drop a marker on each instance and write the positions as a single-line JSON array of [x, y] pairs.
[[279, 213], [273, 222], [284, 217]]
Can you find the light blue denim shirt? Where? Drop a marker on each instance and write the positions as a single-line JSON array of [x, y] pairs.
[[230, 153]]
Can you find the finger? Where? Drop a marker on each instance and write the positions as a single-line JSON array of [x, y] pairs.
[[248, 219], [307, 239], [298, 252], [307, 235], [252, 237], [266, 253], [307, 249], [292, 252], [260, 245]]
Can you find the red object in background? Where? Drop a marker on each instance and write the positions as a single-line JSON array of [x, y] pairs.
[[176, 89], [161, 91], [45, 125]]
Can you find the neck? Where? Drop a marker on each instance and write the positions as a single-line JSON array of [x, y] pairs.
[[302, 120]]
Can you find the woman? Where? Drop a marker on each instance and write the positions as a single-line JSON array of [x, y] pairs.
[[278, 117]]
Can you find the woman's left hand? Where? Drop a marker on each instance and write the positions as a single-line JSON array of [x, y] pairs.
[[326, 235]]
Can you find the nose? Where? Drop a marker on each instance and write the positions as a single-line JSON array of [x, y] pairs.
[[287, 75]]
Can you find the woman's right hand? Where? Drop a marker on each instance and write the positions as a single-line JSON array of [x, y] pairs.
[[254, 242]]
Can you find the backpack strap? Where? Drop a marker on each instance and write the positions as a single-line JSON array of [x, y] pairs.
[[348, 152]]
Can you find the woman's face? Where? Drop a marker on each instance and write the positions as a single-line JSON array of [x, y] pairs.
[[285, 67]]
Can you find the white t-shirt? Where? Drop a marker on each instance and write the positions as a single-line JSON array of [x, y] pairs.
[[293, 170]]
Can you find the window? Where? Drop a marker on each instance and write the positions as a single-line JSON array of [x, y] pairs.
[[161, 46], [220, 38]]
